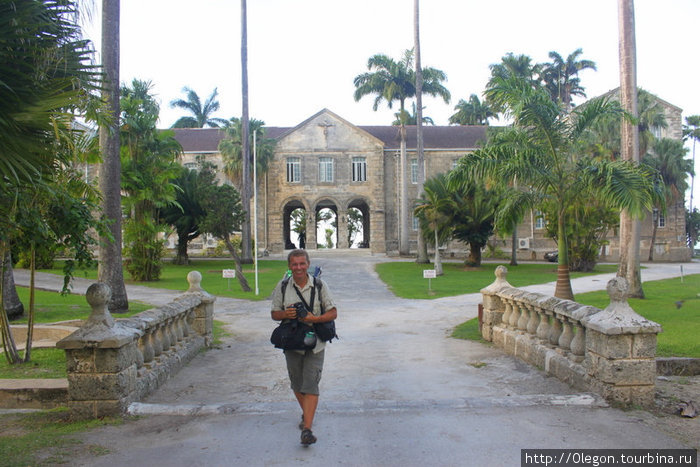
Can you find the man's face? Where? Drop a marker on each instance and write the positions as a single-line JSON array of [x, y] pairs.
[[299, 266]]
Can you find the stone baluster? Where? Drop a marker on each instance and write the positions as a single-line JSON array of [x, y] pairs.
[[515, 315], [524, 316], [578, 343], [555, 330], [567, 334], [179, 333], [187, 323], [534, 320], [147, 345], [157, 339], [508, 307], [164, 335], [542, 331]]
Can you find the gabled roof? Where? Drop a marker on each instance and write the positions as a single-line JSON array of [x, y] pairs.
[[456, 137]]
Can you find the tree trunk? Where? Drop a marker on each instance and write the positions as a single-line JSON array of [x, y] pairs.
[[182, 257], [237, 260], [110, 250], [246, 256], [629, 226], [514, 247], [403, 197], [563, 285], [10, 300], [422, 254], [653, 240], [438, 261], [474, 255]]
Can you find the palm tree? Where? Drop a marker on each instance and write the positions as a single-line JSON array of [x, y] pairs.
[[231, 149], [110, 270], [668, 158], [629, 267], [692, 130], [561, 76], [543, 156], [395, 81], [519, 66], [472, 112], [246, 253], [432, 211], [410, 118], [201, 114]]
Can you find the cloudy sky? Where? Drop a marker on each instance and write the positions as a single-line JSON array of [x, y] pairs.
[[304, 54]]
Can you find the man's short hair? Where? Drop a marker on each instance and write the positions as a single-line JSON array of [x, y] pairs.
[[298, 252]]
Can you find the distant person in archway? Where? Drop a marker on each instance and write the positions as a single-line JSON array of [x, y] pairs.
[[302, 240], [304, 366]]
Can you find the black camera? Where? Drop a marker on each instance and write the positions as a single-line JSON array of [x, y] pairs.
[[301, 310]]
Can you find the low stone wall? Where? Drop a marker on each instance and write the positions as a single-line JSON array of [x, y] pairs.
[[610, 352], [112, 363]]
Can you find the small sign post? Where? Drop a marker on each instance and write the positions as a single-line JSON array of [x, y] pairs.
[[429, 274], [229, 274]]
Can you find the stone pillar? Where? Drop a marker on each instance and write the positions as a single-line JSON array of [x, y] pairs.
[[494, 307], [311, 226], [342, 218], [203, 322], [101, 359], [621, 350]]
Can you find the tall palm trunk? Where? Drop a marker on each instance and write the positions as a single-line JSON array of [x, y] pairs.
[[110, 266], [629, 226], [403, 200], [422, 256], [246, 256], [563, 286]]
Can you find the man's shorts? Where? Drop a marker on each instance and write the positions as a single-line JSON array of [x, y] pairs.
[[304, 370]]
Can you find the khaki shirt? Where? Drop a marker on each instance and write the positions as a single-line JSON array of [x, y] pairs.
[[291, 297]]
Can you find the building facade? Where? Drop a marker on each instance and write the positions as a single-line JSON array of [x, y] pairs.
[[329, 164]]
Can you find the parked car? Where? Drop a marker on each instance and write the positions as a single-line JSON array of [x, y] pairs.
[[552, 256]]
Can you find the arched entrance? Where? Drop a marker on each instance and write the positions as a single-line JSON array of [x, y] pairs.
[[294, 225], [326, 224], [358, 225]]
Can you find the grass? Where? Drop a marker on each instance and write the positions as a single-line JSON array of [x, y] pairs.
[[51, 307], [44, 363], [44, 438], [405, 279], [681, 326], [174, 277]]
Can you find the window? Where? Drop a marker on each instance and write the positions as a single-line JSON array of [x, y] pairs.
[[359, 169], [414, 170], [455, 163], [415, 223], [659, 218], [293, 170], [325, 169], [191, 165], [539, 220]]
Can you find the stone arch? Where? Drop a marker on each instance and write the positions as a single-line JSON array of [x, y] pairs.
[[327, 202], [363, 206], [288, 207]]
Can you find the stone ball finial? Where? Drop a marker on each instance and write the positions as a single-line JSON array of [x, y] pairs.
[[98, 294], [617, 289], [501, 272], [194, 278]]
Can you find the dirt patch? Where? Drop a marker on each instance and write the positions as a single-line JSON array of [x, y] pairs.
[[671, 392]]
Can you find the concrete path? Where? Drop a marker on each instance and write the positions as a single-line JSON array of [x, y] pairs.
[[395, 391]]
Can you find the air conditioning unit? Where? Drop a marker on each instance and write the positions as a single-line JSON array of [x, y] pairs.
[[524, 243]]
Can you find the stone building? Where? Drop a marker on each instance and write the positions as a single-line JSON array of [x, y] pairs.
[[327, 162]]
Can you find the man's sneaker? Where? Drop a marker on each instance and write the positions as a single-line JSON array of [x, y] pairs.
[[307, 437]]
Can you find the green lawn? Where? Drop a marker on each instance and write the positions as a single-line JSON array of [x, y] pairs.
[[174, 277], [51, 307], [681, 326], [405, 279]]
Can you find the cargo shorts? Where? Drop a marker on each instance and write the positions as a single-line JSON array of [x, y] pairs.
[[304, 370]]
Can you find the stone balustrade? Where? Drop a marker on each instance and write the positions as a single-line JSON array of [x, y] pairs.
[[611, 351], [112, 363]]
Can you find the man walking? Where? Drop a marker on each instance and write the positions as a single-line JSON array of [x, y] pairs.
[[304, 366]]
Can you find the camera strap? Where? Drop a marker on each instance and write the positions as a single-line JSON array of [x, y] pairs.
[[310, 308]]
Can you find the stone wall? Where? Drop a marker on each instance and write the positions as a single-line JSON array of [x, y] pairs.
[[610, 352], [112, 363]]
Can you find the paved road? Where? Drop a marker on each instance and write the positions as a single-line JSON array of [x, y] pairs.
[[396, 391]]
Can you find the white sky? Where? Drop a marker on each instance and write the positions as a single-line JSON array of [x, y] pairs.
[[304, 54]]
